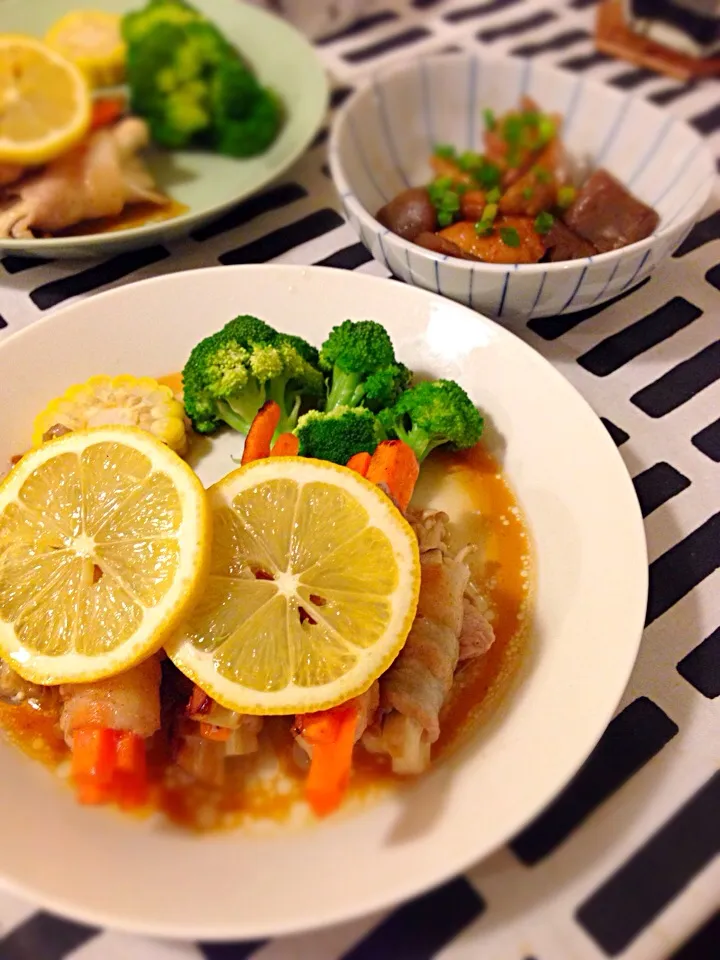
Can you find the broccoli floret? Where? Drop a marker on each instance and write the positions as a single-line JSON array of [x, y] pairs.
[[246, 117], [137, 24], [230, 374], [192, 85], [383, 388], [360, 361], [169, 71], [433, 413], [338, 435]]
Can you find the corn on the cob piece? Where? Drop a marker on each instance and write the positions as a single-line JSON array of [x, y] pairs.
[[126, 400], [92, 40]]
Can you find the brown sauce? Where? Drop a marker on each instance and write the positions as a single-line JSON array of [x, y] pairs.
[[468, 485], [135, 215]]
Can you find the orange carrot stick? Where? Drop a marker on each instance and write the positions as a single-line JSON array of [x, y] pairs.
[[130, 779], [286, 445], [106, 110], [109, 765], [93, 763], [332, 735], [360, 463], [260, 434], [395, 465]]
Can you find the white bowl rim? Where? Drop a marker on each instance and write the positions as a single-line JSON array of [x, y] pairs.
[[414, 886], [383, 74]]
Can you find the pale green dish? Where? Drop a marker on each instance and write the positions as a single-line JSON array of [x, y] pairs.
[[207, 184]]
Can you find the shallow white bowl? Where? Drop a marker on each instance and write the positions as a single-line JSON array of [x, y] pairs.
[[100, 867], [383, 137]]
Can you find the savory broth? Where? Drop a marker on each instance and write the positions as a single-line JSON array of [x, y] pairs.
[[136, 215], [266, 787]]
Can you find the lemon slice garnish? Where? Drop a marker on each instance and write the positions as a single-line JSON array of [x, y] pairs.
[[312, 591], [104, 538]]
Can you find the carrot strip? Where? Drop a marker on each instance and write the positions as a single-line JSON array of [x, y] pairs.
[[210, 732], [286, 445], [93, 763], [93, 753], [109, 765], [106, 110], [329, 774], [260, 434], [130, 754], [360, 463], [395, 465], [130, 780]]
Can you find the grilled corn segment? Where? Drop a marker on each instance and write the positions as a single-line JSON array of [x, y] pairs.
[[92, 40], [126, 400]]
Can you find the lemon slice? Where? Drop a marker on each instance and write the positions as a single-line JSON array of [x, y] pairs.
[[92, 40], [44, 102], [313, 587], [104, 543]]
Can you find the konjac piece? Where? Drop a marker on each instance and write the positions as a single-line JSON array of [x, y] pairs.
[[608, 215]]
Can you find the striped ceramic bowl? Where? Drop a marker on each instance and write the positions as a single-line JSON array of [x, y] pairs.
[[383, 137]]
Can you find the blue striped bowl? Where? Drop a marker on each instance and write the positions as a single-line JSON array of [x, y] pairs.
[[383, 137]]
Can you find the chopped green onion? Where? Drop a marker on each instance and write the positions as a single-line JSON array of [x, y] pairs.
[[445, 150], [546, 130], [494, 195], [444, 218], [513, 130], [469, 161], [542, 175], [490, 211], [443, 183], [487, 175], [527, 193], [509, 236], [566, 196], [544, 222], [483, 228], [450, 202], [489, 118]]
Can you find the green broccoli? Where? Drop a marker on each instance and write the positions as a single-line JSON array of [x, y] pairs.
[[338, 435], [230, 375], [169, 73], [137, 24], [192, 86], [360, 360], [246, 116], [433, 413]]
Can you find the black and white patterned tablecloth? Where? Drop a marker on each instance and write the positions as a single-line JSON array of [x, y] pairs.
[[625, 863]]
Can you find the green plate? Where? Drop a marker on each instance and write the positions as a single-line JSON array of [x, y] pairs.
[[207, 184]]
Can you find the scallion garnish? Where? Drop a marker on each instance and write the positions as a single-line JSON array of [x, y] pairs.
[[544, 222], [509, 236], [487, 175], [445, 150]]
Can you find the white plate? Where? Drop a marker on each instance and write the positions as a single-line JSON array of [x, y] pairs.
[[96, 866]]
